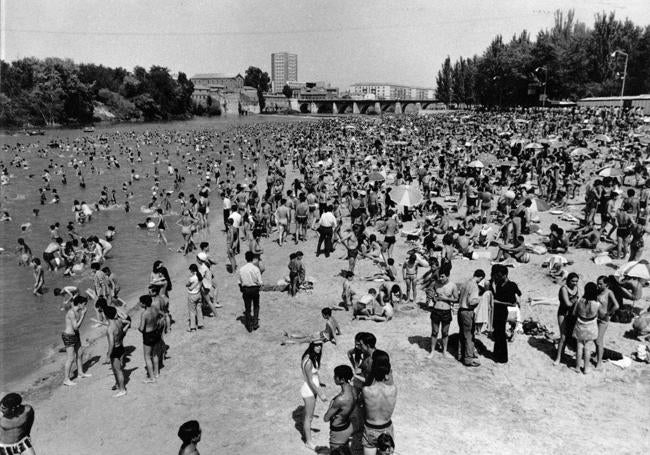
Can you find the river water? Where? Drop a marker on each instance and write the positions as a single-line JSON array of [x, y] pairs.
[[30, 326]]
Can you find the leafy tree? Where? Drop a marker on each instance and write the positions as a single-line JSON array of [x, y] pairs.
[[444, 82], [258, 79], [286, 91]]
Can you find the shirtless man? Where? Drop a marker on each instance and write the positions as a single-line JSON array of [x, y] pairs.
[[15, 426], [115, 353], [150, 327], [392, 227], [283, 218], [71, 339], [302, 215], [379, 399], [339, 412]]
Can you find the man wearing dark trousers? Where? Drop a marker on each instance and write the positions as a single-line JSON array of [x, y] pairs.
[[468, 301], [327, 224], [506, 293], [250, 280]]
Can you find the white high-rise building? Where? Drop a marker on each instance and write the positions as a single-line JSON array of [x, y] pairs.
[[284, 67]]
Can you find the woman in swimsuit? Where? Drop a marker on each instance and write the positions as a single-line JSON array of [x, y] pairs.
[[568, 295], [161, 227], [311, 387], [586, 328]]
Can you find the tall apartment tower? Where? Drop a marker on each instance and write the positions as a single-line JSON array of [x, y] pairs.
[[284, 67]]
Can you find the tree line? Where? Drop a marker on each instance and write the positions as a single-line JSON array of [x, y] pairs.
[[57, 91], [568, 62]]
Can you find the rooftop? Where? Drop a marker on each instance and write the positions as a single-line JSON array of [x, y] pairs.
[[215, 76], [357, 84]]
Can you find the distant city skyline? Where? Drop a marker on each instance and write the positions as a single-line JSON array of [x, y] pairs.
[[339, 41]]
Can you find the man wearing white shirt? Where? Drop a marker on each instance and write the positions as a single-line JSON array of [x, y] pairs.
[[327, 224], [250, 280], [236, 218], [227, 204]]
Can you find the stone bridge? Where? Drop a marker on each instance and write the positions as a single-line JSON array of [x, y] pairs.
[[349, 106]]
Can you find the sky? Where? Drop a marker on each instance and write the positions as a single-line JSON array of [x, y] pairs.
[[337, 41]]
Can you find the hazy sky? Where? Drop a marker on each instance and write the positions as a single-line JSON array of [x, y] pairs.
[[339, 41]]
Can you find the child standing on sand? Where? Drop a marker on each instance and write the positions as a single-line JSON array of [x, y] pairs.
[[39, 277]]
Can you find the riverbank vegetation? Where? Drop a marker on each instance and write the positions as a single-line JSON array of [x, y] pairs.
[[57, 91], [569, 61]]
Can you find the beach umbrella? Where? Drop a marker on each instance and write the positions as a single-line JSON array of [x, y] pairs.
[[610, 172], [635, 269], [476, 164], [580, 151], [534, 145], [507, 163], [539, 205], [645, 140], [376, 177], [406, 195]]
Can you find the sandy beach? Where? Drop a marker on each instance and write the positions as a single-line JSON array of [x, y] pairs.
[[243, 387]]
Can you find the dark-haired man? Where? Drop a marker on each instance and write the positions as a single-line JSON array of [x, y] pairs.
[[151, 325], [379, 399], [468, 301], [16, 425], [339, 411], [506, 293], [250, 280]]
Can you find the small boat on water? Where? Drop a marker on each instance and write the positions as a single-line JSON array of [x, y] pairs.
[[35, 132], [89, 129]]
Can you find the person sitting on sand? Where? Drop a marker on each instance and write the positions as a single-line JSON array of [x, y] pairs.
[[190, 434], [363, 306], [558, 241], [517, 251], [388, 272], [586, 237], [331, 331], [339, 412]]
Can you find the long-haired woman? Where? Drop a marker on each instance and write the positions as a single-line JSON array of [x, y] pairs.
[[310, 364]]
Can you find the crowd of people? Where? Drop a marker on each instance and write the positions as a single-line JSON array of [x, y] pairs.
[[449, 187]]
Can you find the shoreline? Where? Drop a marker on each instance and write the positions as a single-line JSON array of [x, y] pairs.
[[42, 382]]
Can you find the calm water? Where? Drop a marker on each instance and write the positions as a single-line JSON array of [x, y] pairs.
[[30, 326]]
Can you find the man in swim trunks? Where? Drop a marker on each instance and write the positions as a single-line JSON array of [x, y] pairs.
[[15, 426], [392, 227], [302, 215], [115, 353], [71, 339], [339, 411], [150, 326], [379, 399]]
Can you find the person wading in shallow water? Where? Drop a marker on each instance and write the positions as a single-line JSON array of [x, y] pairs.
[[15, 426]]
